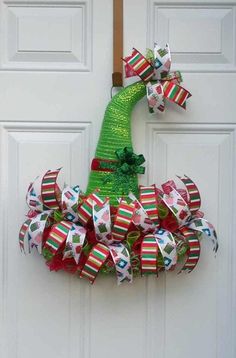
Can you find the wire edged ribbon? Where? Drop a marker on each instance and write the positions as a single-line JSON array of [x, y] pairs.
[[55, 210], [110, 239], [154, 71], [63, 224]]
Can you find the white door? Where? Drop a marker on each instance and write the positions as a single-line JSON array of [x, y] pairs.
[[55, 78]]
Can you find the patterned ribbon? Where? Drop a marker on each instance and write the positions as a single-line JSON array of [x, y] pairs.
[[149, 251], [194, 202], [178, 206], [193, 249], [141, 219], [60, 212], [155, 239], [148, 199], [95, 261], [156, 67], [189, 224], [167, 247], [110, 239], [49, 189], [46, 201]]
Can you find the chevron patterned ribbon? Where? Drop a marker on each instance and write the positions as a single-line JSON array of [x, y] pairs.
[[156, 68]]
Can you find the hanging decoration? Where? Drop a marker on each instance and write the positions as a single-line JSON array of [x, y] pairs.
[[154, 71], [116, 226]]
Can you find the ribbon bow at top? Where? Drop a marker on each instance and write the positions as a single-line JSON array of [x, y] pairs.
[[155, 67]]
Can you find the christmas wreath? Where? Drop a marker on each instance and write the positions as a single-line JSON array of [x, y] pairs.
[[117, 226]]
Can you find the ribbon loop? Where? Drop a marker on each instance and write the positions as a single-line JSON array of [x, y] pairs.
[[95, 261], [193, 253], [70, 201], [167, 246], [121, 259], [149, 251], [156, 67]]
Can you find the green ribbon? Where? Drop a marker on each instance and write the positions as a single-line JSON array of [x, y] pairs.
[[129, 162], [127, 166]]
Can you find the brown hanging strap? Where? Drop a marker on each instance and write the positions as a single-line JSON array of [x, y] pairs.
[[117, 75]]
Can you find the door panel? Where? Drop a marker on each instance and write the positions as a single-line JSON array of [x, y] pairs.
[[55, 78]]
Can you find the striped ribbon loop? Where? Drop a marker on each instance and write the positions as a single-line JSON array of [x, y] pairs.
[[194, 195], [140, 65], [57, 236], [49, 189], [148, 199], [23, 234], [194, 249], [123, 220], [149, 251], [175, 93], [85, 210], [95, 261], [167, 246]]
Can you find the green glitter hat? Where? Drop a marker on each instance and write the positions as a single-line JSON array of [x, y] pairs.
[[116, 135]]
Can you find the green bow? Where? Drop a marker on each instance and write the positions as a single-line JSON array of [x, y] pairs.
[[127, 165], [129, 162]]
